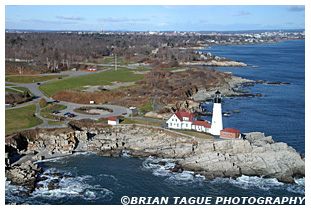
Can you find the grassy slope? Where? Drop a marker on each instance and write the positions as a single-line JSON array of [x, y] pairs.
[[31, 79], [104, 78], [19, 88], [17, 119], [147, 107], [142, 122], [196, 134]]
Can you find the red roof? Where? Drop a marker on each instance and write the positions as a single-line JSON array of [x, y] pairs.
[[231, 130], [202, 123], [181, 114], [112, 118]]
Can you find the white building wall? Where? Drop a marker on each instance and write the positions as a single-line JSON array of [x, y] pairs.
[[111, 122], [174, 122], [186, 125], [217, 125]]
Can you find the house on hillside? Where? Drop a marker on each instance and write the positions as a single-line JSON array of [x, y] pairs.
[[181, 120], [113, 121], [230, 133]]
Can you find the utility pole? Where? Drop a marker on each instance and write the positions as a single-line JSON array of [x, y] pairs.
[[115, 62]]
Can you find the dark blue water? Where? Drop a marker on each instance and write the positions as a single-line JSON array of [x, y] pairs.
[[281, 113], [103, 180]]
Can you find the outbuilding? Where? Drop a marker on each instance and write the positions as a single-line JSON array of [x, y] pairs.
[[230, 133], [201, 126], [92, 69], [113, 121]]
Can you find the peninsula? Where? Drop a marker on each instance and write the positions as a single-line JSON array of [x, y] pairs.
[[255, 155]]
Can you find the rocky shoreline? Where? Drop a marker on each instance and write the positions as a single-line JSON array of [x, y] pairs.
[[255, 155], [214, 63]]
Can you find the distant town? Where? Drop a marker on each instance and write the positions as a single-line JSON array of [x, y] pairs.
[[206, 38]]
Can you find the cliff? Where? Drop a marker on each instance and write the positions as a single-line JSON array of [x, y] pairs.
[[256, 155]]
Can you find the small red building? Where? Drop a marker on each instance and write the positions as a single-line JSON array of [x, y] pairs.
[[230, 133], [113, 121], [92, 69]]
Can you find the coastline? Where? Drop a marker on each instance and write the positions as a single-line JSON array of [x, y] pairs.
[[256, 155]]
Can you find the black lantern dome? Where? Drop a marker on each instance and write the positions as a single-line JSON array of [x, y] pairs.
[[217, 98]]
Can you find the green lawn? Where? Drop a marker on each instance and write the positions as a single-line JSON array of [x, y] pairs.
[[196, 134], [11, 90], [147, 107], [19, 88], [103, 78], [55, 122], [20, 118], [141, 122], [31, 79]]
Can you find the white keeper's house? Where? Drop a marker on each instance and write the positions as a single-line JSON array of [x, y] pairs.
[[184, 120]]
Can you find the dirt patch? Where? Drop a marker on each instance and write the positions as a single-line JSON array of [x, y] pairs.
[[12, 98], [115, 85], [132, 101], [140, 72], [85, 98], [93, 110]]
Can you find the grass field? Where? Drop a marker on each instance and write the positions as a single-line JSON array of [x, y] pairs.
[[31, 79], [196, 134], [18, 88], [11, 90], [103, 78], [55, 122], [141, 122], [147, 107], [21, 118]]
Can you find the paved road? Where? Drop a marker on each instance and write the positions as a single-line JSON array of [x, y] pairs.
[[154, 105], [34, 89]]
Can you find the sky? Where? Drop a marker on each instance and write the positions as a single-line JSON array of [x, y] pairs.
[[155, 17]]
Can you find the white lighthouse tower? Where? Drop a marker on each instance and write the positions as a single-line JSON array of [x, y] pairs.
[[217, 115]]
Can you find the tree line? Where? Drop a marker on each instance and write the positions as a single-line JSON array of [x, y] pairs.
[[59, 51]]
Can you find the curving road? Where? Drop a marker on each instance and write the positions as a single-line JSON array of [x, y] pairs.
[[34, 89]]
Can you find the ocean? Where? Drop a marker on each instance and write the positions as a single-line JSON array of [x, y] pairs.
[[95, 180]]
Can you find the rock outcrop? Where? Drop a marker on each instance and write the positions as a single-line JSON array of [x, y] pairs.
[[256, 155], [26, 175], [215, 63]]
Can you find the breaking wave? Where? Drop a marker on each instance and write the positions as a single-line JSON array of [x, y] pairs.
[[63, 158], [265, 184], [162, 167], [72, 187]]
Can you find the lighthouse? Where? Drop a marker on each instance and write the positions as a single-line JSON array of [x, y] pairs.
[[217, 115]]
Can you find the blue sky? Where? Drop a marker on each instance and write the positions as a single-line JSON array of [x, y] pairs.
[[155, 18]]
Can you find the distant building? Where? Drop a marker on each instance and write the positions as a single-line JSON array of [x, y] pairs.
[[113, 121], [92, 69], [230, 133]]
